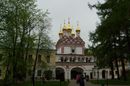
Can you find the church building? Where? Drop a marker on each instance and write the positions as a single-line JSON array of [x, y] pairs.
[[70, 57]]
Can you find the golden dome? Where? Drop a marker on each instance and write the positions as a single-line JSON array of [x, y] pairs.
[[65, 26], [72, 33], [78, 27], [68, 25]]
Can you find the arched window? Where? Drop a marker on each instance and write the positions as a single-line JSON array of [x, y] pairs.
[[87, 60], [78, 59], [48, 58], [61, 59], [65, 59], [73, 50], [82, 59]]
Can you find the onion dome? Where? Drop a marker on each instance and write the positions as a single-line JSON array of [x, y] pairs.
[[72, 33], [68, 25], [65, 26]]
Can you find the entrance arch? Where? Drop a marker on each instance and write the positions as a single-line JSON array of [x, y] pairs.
[[60, 73], [76, 71]]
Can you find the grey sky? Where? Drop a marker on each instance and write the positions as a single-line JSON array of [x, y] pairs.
[[76, 10]]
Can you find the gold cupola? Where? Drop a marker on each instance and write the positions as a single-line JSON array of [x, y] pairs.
[[65, 26], [78, 28], [68, 25], [72, 33]]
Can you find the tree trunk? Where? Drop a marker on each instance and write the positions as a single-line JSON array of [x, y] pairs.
[[128, 39], [35, 62], [123, 69], [117, 68], [6, 75], [112, 70]]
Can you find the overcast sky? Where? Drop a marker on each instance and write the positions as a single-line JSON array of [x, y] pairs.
[[76, 10]]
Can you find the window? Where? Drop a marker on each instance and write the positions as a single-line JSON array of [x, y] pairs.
[[0, 72], [39, 59], [65, 60], [73, 50], [70, 59], [116, 72], [82, 59], [30, 57], [62, 59], [48, 59], [86, 59], [1, 55], [39, 72], [110, 72], [79, 59]]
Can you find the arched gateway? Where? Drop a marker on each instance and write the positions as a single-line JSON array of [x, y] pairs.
[[60, 73], [76, 71]]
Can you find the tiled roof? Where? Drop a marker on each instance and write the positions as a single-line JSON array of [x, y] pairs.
[[69, 40]]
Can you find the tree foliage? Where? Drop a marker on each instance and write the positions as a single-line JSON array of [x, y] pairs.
[[21, 24], [111, 39]]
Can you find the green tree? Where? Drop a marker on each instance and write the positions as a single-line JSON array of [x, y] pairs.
[[42, 40], [19, 24], [113, 31]]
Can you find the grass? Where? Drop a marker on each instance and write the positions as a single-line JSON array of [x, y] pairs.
[[48, 83], [39, 83], [111, 82]]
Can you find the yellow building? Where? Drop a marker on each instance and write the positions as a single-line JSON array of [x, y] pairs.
[[45, 61]]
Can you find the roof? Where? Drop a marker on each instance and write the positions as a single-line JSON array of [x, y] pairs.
[[69, 40]]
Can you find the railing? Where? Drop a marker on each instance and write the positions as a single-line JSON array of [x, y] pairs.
[[74, 63]]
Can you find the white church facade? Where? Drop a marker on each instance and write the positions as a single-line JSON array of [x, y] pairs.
[[70, 57]]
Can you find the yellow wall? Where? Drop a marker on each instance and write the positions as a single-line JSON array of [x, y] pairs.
[[52, 54], [43, 58]]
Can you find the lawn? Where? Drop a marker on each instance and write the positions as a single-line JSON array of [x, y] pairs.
[[39, 83], [48, 83], [111, 82]]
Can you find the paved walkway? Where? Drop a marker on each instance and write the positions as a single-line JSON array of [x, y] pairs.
[[73, 83]]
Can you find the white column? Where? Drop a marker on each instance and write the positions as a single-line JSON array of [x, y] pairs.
[[69, 77], [67, 74]]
